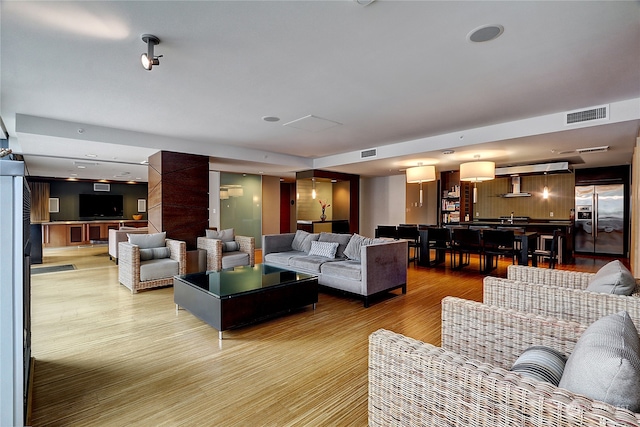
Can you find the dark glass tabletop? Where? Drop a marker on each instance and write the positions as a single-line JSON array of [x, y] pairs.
[[239, 280]]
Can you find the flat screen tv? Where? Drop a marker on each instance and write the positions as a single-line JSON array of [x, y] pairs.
[[100, 205]]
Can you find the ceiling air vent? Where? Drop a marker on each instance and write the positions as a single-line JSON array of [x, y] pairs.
[[592, 149], [98, 186], [366, 154], [586, 115]]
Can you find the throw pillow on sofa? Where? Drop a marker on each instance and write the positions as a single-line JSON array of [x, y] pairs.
[[146, 241], [352, 251], [324, 249], [605, 363], [230, 246], [613, 278], [227, 235], [341, 239], [302, 241]]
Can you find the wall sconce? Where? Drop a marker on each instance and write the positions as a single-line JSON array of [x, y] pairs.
[[148, 59], [421, 174], [545, 191], [477, 172]]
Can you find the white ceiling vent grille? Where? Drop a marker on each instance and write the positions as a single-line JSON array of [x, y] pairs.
[[586, 115], [593, 149], [366, 154], [98, 186]]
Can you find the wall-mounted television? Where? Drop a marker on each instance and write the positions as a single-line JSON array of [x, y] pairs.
[[100, 205]]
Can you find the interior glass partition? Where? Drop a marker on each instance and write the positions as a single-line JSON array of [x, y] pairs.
[[241, 204]]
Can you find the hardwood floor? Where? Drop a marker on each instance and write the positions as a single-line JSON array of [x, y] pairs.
[[107, 357]]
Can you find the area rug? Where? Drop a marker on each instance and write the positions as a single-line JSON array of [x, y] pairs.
[[52, 269]]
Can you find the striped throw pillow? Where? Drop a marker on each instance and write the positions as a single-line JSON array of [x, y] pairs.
[[541, 363]]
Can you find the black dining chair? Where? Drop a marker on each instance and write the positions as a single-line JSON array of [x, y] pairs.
[[550, 251], [388, 231], [438, 240], [465, 242], [412, 236], [496, 244]]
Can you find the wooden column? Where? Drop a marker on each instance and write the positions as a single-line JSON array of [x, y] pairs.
[[178, 195]]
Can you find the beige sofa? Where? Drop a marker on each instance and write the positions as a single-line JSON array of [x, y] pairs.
[[120, 235]]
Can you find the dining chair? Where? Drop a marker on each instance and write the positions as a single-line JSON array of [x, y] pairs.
[[464, 242], [438, 239], [388, 231], [550, 250], [412, 236], [497, 243]]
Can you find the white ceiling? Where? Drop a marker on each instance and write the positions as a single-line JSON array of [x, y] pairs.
[[398, 76]]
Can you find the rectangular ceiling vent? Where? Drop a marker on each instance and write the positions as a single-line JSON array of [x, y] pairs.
[[593, 149], [98, 186], [586, 115], [366, 154]]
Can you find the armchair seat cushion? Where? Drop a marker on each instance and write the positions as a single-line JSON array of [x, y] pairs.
[[158, 269], [235, 259]]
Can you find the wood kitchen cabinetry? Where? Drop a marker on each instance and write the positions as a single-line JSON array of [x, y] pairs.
[[75, 233]]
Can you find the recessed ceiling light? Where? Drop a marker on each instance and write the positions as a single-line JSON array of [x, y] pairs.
[[271, 119], [485, 33], [91, 155], [81, 167]]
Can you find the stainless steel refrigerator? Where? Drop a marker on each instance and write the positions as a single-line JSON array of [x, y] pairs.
[[599, 222]]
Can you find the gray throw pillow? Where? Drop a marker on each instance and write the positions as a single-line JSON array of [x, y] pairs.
[[230, 246], [352, 251], [306, 244], [613, 278], [541, 363], [145, 241], [298, 239], [605, 363], [154, 253], [227, 235], [341, 239]]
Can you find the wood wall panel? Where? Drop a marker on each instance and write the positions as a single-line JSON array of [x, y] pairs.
[[40, 194], [179, 195]]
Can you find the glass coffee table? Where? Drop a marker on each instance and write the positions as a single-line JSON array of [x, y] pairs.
[[241, 295]]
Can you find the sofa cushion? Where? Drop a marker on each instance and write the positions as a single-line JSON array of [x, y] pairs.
[[605, 363], [146, 241], [541, 363], [235, 259], [346, 269], [310, 263], [230, 246], [352, 251], [282, 258], [158, 269], [227, 235], [324, 249], [154, 253], [613, 278], [341, 239]]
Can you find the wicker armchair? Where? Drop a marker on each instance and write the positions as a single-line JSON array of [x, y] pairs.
[[556, 293], [217, 259], [466, 382], [129, 265]]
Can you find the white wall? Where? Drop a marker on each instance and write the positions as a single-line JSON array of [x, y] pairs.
[[382, 202]]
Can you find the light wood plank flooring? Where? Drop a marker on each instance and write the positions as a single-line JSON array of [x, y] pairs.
[[105, 357]]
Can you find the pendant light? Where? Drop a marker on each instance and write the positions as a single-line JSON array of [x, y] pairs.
[[477, 171], [545, 191], [421, 174]]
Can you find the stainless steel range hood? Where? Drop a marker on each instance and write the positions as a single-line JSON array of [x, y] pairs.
[[558, 167], [515, 189]]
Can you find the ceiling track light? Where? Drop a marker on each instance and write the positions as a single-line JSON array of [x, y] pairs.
[[148, 59]]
